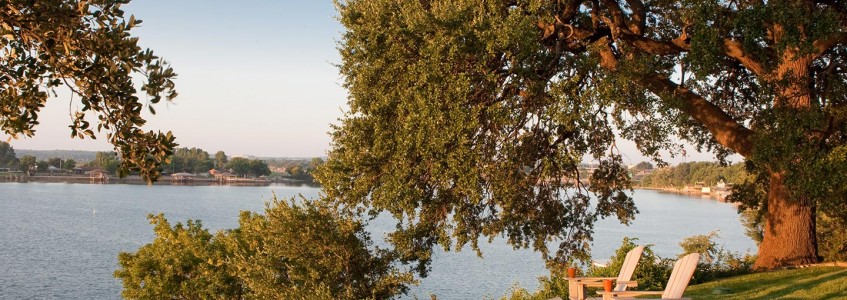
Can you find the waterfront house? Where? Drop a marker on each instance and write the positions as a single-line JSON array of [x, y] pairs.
[[182, 177], [98, 175]]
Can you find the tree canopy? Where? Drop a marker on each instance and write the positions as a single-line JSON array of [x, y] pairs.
[[244, 166], [8, 159], [193, 160], [85, 47], [468, 118]]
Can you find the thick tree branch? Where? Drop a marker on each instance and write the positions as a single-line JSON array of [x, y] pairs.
[[724, 129], [618, 16], [655, 47], [569, 10], [825, 44], [639, 17], [735, 51]]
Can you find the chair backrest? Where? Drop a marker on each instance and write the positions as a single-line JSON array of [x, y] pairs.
[[628, 267], [683, 269]]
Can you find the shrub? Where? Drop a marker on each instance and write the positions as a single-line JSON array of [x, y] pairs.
[[832, 238], [296, 250], [715, 262]]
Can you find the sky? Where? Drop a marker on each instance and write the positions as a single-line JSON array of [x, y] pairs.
[[254, 78]]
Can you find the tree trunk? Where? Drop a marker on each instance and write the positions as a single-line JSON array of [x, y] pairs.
[[789, 233]]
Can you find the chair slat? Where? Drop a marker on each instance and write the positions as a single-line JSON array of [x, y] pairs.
[[628, 268], [680, 276]]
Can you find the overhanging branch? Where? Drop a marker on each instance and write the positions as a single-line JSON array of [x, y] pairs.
[[735, 51], [724, 129]]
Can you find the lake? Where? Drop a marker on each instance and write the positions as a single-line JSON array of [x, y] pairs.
[[60, 241]]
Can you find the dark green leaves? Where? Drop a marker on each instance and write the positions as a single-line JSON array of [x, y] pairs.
[[464, 126]]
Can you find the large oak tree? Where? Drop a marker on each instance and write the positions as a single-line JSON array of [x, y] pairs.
[[468, 118], [86, 47]]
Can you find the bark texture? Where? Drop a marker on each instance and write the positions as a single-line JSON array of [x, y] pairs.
[[789, 229]]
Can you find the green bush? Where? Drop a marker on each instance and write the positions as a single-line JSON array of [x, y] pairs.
[[715, 262], [296, 250], [832, 238]]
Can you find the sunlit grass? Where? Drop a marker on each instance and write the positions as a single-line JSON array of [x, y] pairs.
[[807, 283]]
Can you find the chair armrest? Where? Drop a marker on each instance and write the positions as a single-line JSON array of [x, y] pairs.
[[630, 283], [589, 281], [616, 295]]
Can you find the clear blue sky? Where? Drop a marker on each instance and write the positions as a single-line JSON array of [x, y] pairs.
[[255, 78]]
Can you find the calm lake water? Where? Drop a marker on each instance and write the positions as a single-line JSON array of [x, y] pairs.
[[60, 241]]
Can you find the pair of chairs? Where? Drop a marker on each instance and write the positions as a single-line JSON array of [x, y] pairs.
[[683, 269]]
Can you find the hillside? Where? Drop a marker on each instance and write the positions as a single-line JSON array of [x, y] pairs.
[[77, 155]]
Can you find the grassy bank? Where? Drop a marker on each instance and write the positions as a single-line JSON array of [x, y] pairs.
[[806, 283]]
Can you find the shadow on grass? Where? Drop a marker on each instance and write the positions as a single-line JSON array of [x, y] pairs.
[[811, 283]]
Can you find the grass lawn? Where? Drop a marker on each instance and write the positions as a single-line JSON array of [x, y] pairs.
[[808, 283]]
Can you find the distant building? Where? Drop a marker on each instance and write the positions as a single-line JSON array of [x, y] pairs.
[[222, 175], [98, 175], [182, 176]]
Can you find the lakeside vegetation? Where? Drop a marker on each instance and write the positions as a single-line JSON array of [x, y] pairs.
[[690, 173], [184, 160]]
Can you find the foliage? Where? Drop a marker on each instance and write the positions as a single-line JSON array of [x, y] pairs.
[[802, 283], [8, 159], [106, 161], [193, 160], [652, 271], [468, 118], [643, 166], [701, 243], [715, 262], [55, 162], [85, 46], [220, 160], [299, 249], [68, 164], [41, 166], [832, 238], [77, 155], [298, 169], [27, 163], [693, 172], [251, 167], [182, 262], [752, 222]]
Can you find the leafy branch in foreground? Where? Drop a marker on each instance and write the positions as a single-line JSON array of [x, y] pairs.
[[86, 47]]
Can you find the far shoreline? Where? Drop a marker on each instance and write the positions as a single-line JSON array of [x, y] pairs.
[[138, 180]]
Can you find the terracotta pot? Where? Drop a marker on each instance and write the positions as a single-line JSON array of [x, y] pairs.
[[607, 285], [571, 272]]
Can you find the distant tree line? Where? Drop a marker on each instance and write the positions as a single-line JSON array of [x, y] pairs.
[[683, 174], [190, 160], [298, 169], [198, 161]]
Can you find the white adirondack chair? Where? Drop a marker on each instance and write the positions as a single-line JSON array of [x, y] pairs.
[[577, 285], [683, 269]]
